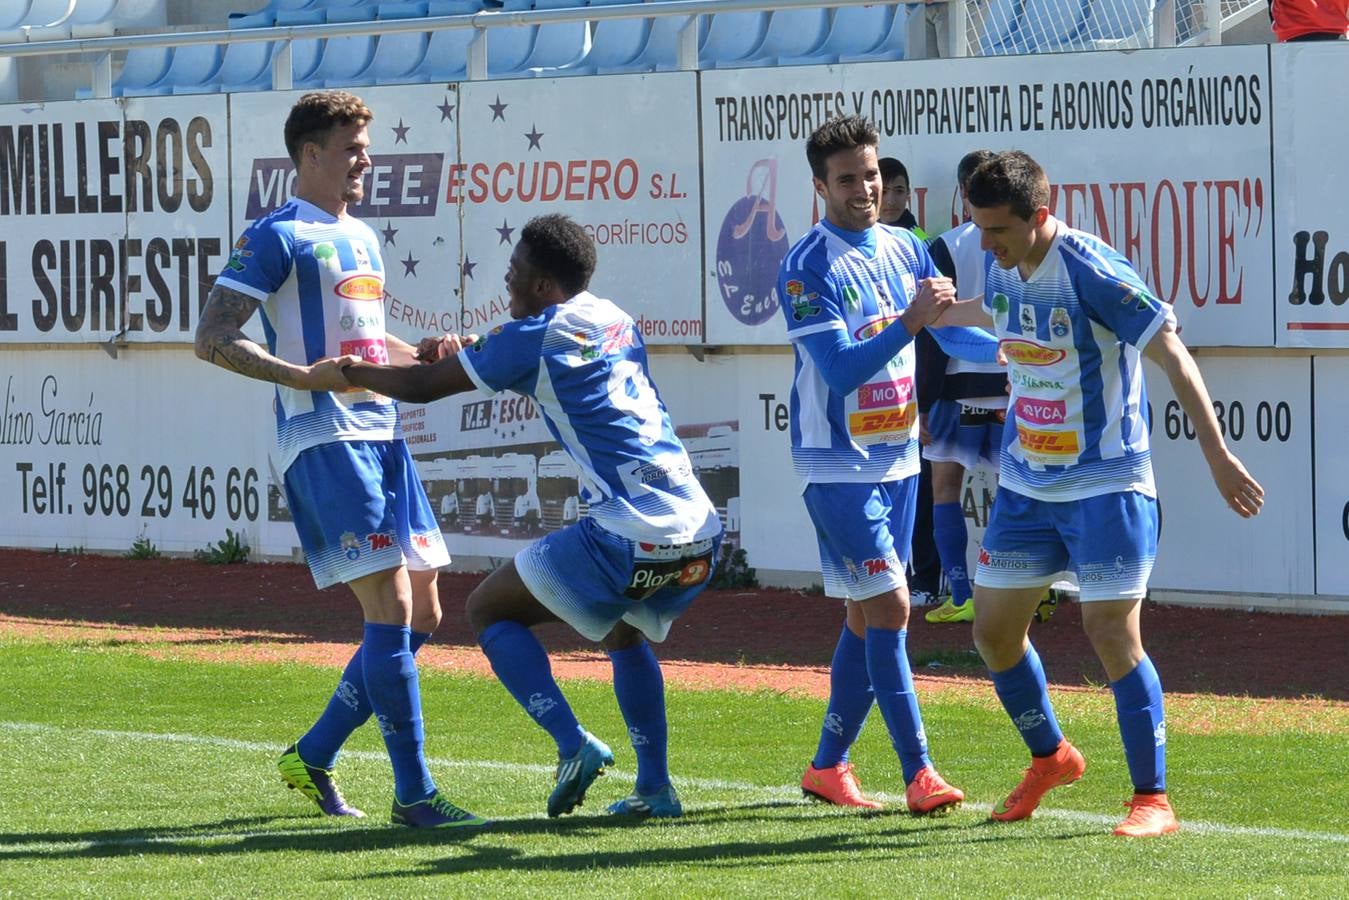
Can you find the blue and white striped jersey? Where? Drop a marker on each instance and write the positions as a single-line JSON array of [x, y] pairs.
[[825, 282], [321, 283], [584, 363], [1072, 334]]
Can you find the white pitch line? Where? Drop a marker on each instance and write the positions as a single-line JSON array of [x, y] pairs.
[[710, 784]]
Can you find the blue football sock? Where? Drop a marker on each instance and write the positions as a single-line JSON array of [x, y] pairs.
[[948, 532], [1025, 696], [640, 689], [348, 709], [1142, 725], [888, 666], [850, 700], [521, 664], [396, 700]]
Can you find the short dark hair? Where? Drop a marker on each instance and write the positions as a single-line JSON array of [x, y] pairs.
[[891, 169], [316, 113], [968, 163], [560, 248], [1011, 179], [838, 133]]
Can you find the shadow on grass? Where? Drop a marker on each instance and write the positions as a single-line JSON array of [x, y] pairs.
[[479, 852]]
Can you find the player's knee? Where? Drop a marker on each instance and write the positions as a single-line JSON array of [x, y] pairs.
[[426, 619]]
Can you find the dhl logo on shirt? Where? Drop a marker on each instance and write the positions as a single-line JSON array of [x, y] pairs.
[[1047, 443], [360, 287], [1029, 353], [882, 422]]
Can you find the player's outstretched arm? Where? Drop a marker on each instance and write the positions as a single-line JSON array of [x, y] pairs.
[[412, 384], [966, 312], [1242, 492], [220, 341]]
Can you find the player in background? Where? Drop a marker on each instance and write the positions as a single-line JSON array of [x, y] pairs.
[[895, 194], [855, 292], [1076, 489], [361, 513], [924, 561], [647, 545], [962, 405]]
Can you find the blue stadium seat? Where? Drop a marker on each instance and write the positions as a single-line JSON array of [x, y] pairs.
[[661, 53], [446, 58], [264, 18], [190, 71], [855, 31], [509, 49], [13, 14], [343, 59], [791, 34], [730, 39], [891, 46], [556, 46], [618, 45], [143, 67], [453, 7], [293, 17], [343, 63], [246, 67], [397, 56]]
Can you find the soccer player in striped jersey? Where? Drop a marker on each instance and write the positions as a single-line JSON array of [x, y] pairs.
[[1075, 488], [645, 549], [854, 293], [359, 508]]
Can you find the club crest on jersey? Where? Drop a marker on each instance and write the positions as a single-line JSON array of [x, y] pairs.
[[1027, 319], [805, 307], [910, 286], [852, 297], [1000, 303], [239, 254], [1140, 299], [1059, 325], [588, 350]]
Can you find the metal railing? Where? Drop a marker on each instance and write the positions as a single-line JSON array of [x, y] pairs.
[[961, 23]]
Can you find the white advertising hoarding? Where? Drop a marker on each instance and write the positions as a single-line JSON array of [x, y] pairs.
[[1331, 374], [98, 452], [1164, 154], [1311, 245], [617, 153], [115, 218], [1264, 406]]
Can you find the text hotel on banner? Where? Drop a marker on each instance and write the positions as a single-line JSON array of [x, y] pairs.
[[115, 218], [1311, 251], [1194, 219]]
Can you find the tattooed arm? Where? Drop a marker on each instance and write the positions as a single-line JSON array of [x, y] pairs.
[[221, 341]]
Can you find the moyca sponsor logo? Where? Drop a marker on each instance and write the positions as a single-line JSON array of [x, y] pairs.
[[1041, 412]]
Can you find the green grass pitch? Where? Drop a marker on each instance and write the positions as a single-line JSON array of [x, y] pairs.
[[127, 775]]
